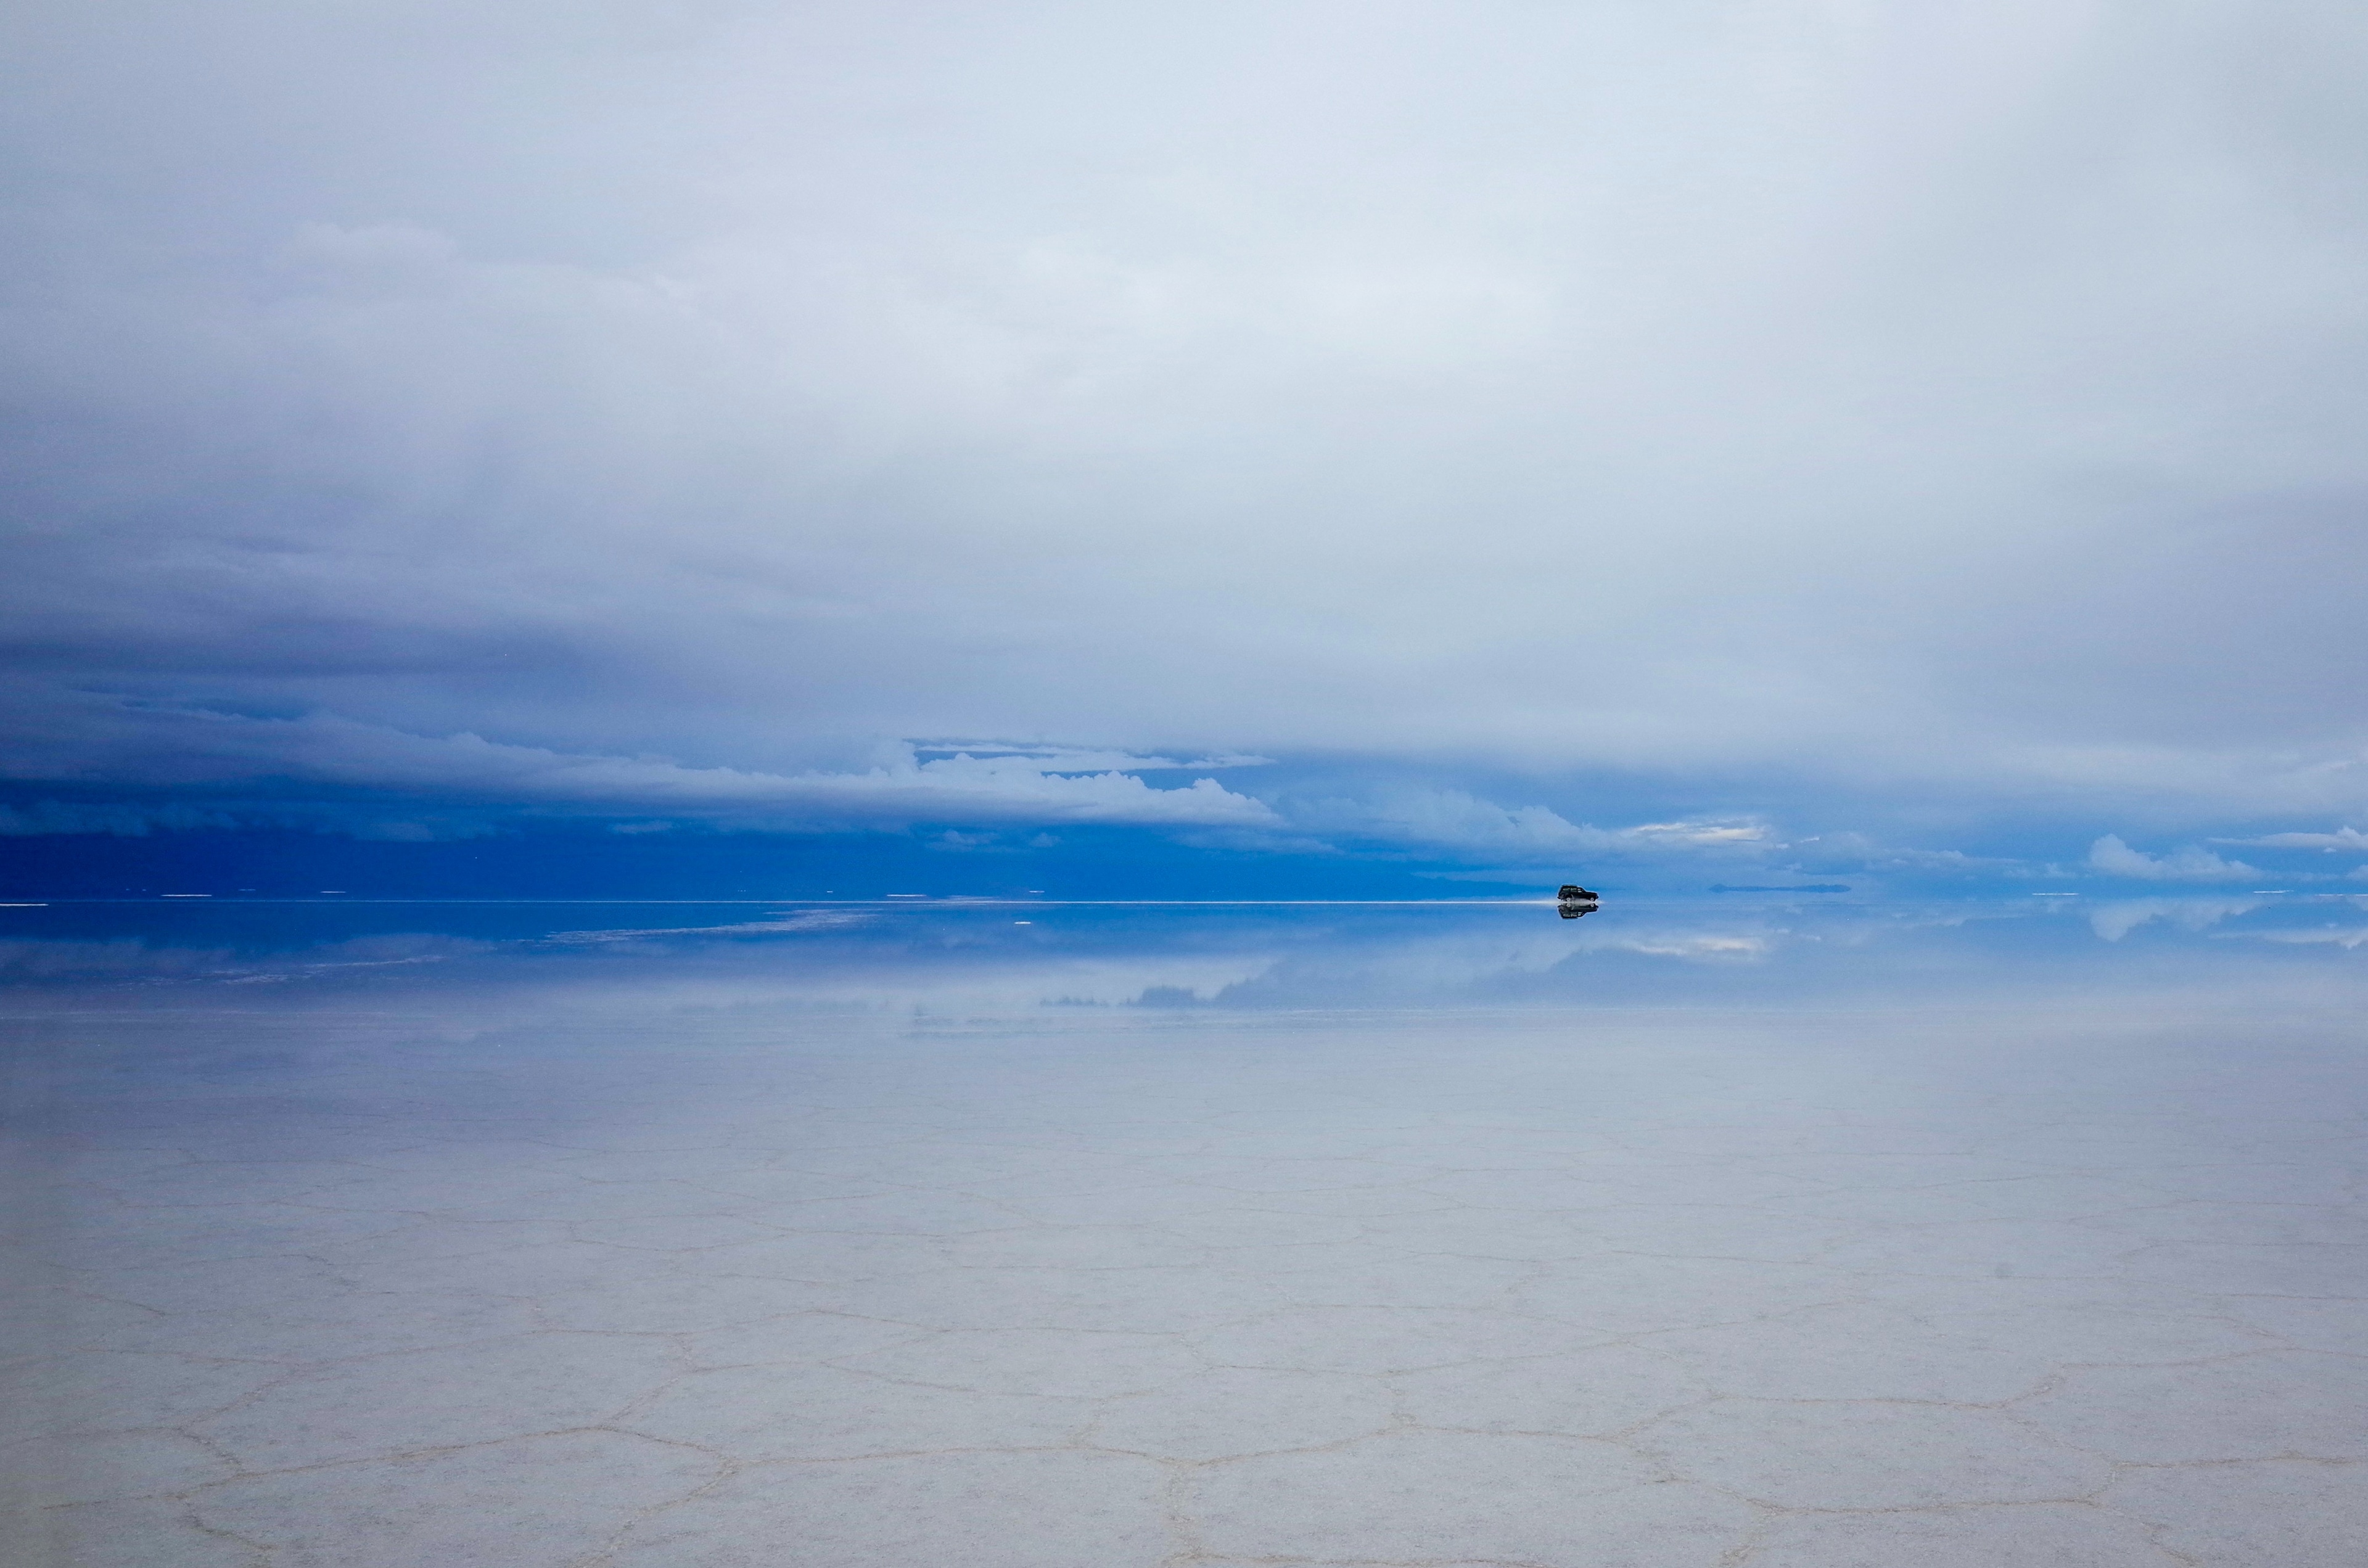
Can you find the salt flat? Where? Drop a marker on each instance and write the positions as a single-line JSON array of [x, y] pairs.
[[1571, 1247]]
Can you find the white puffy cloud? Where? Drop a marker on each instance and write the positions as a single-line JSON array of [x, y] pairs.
[[2116, 858]]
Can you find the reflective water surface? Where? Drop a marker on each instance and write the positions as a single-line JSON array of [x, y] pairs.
[[1795, 1235]]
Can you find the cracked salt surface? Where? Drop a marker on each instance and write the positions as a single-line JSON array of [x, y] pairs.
[[746, 1253]]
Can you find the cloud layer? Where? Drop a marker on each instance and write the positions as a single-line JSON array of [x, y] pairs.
[[682, 407], [165, 748]]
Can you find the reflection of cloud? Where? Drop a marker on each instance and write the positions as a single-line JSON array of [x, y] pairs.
[[138, 960], [2114, 857], [1142, 981], [806, 920], [2117, 920], [1467, 961], [1698, 948], [2356, 937]]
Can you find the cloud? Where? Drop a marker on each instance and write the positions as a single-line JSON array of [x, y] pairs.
[[186, 746], [2115, 859], [1756, 393], [133, 818], [1080, 759], [1703, 835], [123, 821], [2349, 838], [1459, 821]]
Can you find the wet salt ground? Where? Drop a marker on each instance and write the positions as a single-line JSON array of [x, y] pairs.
[[673, 1259]]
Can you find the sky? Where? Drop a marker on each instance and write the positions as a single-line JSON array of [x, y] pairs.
[[1691, 441]]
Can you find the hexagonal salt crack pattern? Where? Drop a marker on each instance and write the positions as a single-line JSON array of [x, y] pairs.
[[2042, 1248], [2282, 1404], [977, 1510], [2249, 1224], [2042, 1535], [1869, 1454], [671, 1232], [687, 1304], [1116, 1301], [391, 1405], [2271, 1514], [1588, 1393], [1867, 1351], [271, 1284], [796, 1337], [2254, 1270], [1486, 1234], [1383, 1340], [535, 1503], [98, 1392], [1625, 1293], [159, 1236], [773, 1289], [38, 1312], [1371, 1279], [537, 1270], [1234, 1411], [353, 1325], [1072, 1246], [1858, 1352], [1714, 1231], [827, 1412], [1433, 1496], [43, 1472], [148, 1532], [2306, 1322], [1032, 1361]]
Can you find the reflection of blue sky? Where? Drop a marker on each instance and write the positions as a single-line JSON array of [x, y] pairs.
[[1020, 958], [1135, 1233]]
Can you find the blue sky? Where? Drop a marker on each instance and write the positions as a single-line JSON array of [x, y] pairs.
[[1696, 442]]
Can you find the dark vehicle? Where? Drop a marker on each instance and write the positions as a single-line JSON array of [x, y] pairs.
[[1573, 893]]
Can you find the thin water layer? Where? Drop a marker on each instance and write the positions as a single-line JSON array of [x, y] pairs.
[[1785, 1234]]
